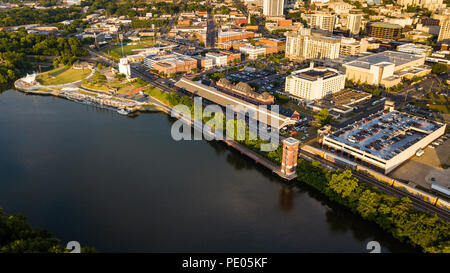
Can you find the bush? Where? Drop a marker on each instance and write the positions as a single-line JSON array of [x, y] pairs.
[[438, 68]]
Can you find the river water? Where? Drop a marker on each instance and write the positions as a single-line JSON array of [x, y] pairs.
[[121, 184]]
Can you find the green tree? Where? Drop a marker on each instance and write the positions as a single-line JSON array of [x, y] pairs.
[[438, 68], [323, 117], [343, 183], [368, 204]]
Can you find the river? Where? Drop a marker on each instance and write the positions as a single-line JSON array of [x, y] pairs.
[[121, 184]]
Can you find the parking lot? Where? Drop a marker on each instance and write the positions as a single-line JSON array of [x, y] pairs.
[[432, 167], [266, 80], [246, 76]]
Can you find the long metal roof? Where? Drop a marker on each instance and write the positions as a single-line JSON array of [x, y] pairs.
[[213, 95]]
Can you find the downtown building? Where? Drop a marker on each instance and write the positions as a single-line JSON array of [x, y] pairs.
[[234, 35], [314, 83], [444, 32], [386, 68], [324, 21], [302, 45], [170, 63], [384, 30], [431, 5], [273, 8], [354, 23]]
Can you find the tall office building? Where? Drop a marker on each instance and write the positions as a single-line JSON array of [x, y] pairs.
[[323, 21], [273, 7], [444, 32], [354, 23], [302, 45], [290, 155]]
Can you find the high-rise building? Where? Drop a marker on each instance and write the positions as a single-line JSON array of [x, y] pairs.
[[384, 30], [444, 32], [273, 7], [354, 23], [323, 21], [302, 45], [314, 83], [290, 155]]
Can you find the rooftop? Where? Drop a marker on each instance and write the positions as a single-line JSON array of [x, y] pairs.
[[313, 74], [385, 134], [386, 25], [397, 58]]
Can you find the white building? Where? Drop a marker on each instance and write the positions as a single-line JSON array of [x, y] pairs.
[[302, 45], [124, 67], [397, 138], [444, 32], [253, 51], [323, 21], [273, 7], [354, 23], [72, 2], [419, 49], [218, 59], [314, 83]]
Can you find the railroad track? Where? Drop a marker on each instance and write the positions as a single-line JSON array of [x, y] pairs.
[[417, 202]]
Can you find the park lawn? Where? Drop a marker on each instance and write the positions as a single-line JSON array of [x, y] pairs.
[[62, 75], [116, 52], [97, 87], [121, 86]]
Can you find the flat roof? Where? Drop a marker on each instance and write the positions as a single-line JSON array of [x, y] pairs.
[[312, 74], [385, 134], [395, 57], [384, 24]]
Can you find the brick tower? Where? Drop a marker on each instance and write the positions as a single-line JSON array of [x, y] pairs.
[[290, 154]]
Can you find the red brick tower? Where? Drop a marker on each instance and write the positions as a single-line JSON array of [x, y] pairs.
[[290, 154]]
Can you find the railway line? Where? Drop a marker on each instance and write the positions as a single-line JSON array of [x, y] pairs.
[[417, 202]]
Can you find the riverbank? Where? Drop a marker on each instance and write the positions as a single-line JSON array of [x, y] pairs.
[[75, 92], [423, 229], [94, 174]]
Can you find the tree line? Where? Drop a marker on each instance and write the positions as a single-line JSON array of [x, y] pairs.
[[15, 46], [26, 16], [17, 236], [394, 215]]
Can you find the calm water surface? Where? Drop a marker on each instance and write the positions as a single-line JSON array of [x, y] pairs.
[[122, 184]]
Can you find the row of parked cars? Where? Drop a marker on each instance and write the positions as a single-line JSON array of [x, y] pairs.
[[438, 141]]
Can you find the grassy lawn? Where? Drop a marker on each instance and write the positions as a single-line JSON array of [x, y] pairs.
[[99, 87], [116, 51], [62, 75], [438, 103], [122, 86]]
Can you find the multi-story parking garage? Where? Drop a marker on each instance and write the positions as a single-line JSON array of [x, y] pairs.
[[385, 139]]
